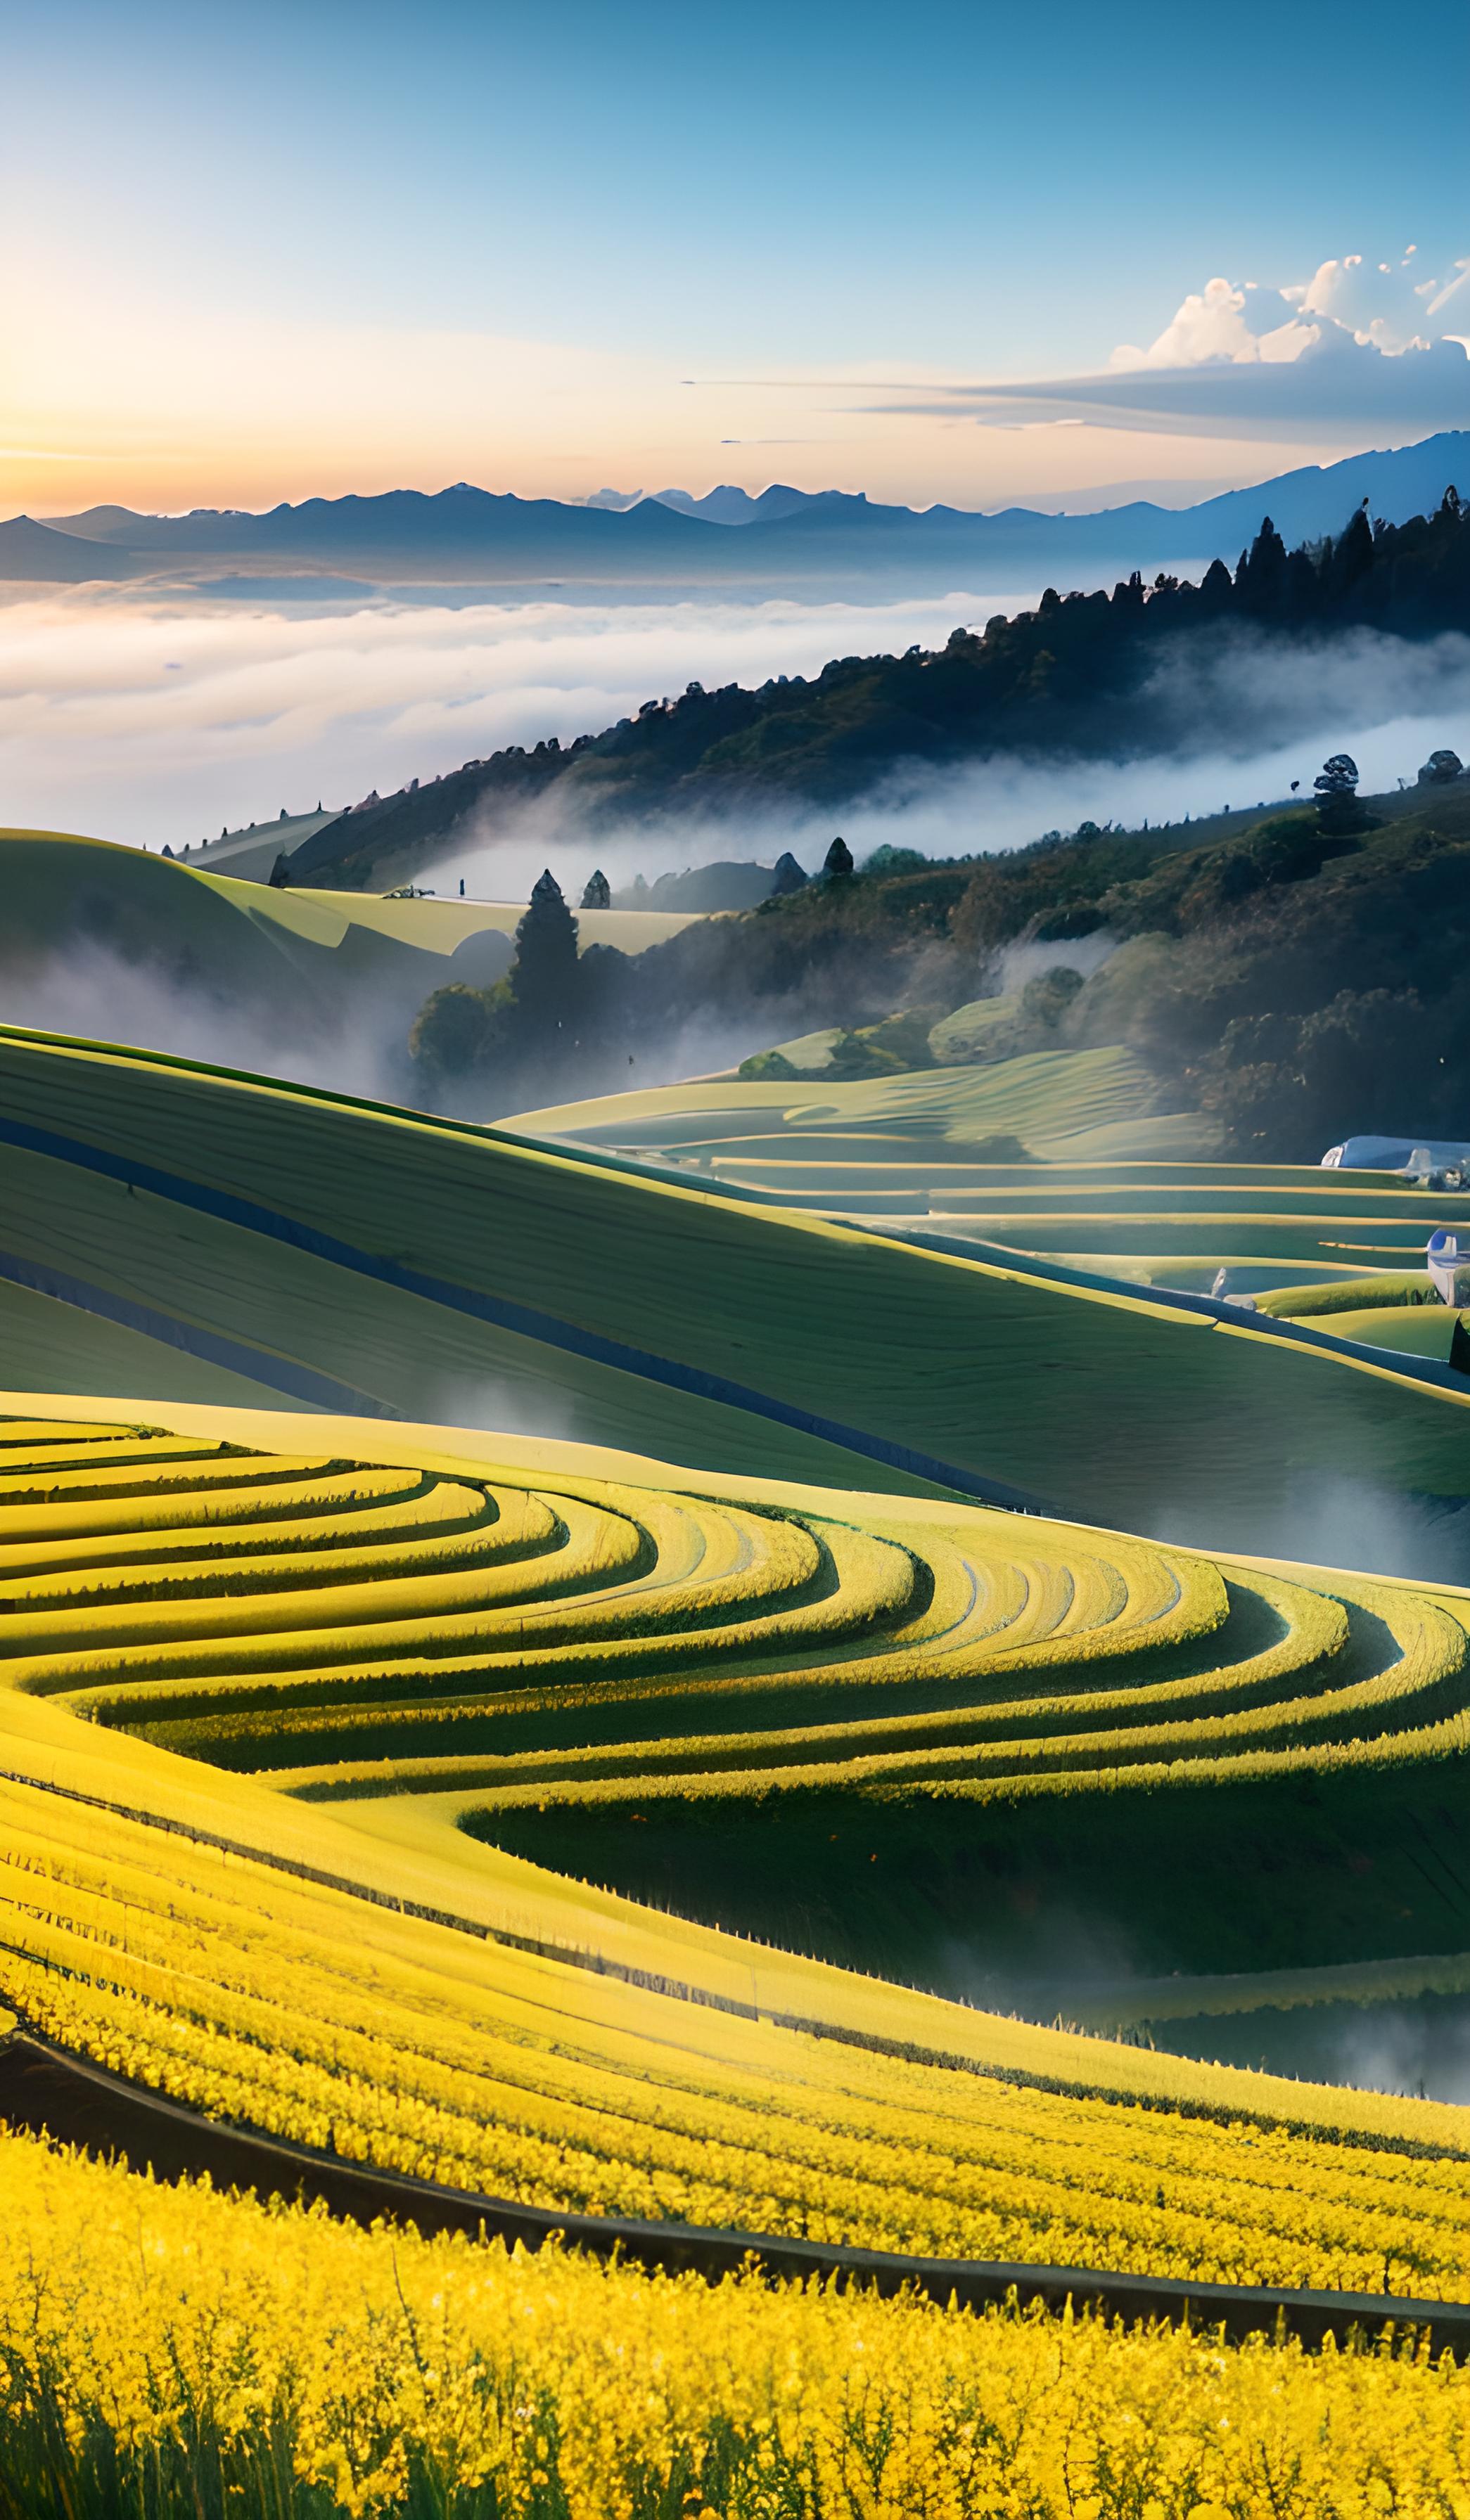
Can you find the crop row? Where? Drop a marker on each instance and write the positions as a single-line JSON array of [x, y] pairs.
[[1170, 1223], [556, 1641], [282, 2005], [500, 1621], [579, 1639], [202, 2343]]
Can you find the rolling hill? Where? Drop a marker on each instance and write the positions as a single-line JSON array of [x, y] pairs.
[[308, 959], [366, 1972], [352, 1255], [1095, 1177], [671, 1846]]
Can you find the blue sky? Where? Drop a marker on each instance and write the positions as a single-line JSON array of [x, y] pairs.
[[787, 205]]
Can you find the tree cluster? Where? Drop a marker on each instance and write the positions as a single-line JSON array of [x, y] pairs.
[[1298, 985], [1052, 677], [533, 1027], [1079, 673]]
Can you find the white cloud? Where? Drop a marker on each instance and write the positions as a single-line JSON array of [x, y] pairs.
[[1394, 307], [152, 720], [1359, 345], [1225, 321]]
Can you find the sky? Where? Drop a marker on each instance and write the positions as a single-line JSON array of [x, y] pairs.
[[972, 252]]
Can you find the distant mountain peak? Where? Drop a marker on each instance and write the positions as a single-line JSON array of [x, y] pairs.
[[782, 538]]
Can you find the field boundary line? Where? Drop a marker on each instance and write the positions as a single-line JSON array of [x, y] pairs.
[[46, 2090], [995, 1259], [522, 1321], [1217, 1310], [679, 1991], [210, 1347]]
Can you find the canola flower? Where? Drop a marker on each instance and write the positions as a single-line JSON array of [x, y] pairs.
[[172, 2350], [260, 1989], [287, 2006]]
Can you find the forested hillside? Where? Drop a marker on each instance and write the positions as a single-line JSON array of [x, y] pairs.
[[1084, 673], [1293, 979]]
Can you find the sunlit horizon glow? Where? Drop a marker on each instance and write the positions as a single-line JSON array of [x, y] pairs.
[[249, 411], [279, 254], [283, 255], [246, 409]]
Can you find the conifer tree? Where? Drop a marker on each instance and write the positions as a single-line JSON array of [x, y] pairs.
[[1352, 557], [543, 976], [1263, 572]]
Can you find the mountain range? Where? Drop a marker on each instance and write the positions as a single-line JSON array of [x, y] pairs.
[[782, 540]]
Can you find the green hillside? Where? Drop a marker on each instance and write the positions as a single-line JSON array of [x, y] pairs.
[[353, 1256], [1088, 1104], [1059, 1155], [252, 850], [427, 927], [1082, 676], [64, 894], [67, 897]]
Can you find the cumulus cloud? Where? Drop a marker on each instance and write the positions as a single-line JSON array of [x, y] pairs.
[[1394, 307], [1360, 344], [1223, 322]]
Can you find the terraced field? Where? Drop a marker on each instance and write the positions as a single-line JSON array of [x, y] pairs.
[[432, 1636], [1135, 1197], [206, 1234], [1077, 1105]]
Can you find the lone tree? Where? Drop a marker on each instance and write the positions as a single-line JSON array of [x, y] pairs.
[[543, 976], [1339, 805], [1439, 769], [597, 892], [788, 875], [837, 865]]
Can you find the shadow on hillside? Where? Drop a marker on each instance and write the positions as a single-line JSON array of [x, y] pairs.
[[995, 1900]]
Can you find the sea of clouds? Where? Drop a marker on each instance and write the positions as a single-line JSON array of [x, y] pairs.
[[154, 719]]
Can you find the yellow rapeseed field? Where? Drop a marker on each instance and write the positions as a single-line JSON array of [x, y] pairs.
[[257, 1956], [170, 2341]]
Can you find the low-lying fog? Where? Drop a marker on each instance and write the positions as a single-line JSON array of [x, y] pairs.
[[157, 719], [1419, 2045]]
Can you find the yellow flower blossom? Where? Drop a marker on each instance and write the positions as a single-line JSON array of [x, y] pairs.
[[185, 2325]]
